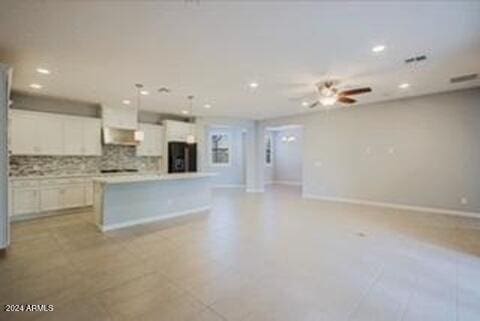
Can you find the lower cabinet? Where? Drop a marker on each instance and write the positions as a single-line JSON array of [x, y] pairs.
[[25, 201], [74, 196], [51, 199], [43, 195]]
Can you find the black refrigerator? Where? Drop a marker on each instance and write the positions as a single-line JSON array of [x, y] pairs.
[[182, 157]]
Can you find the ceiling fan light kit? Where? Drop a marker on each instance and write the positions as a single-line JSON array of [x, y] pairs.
[[328, 95]]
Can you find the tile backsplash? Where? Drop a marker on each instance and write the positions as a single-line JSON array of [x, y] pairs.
[[113, 157]]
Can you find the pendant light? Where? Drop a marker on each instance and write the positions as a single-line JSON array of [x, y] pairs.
[[139, 135], [191, 136]]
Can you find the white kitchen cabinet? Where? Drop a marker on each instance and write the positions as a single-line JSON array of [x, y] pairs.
[[24, 139], [34, 196], [120, 117], [88, 193], [152, 144], [92, 137], [25, 200], [50, 132], [74, 196], [177, 130], [34, 133], [73, 136], [51, 198]]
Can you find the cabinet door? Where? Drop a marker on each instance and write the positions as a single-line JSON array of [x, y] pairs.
[[50, 132], [24, 201], [74, 196], [145, 146], [51, 198], [73, 136], [92, 137], [157, 143], [119, 117], [24, 138], [89, 193]]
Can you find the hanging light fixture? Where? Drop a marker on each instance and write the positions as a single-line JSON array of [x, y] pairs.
[[138, 135], [191, 136]]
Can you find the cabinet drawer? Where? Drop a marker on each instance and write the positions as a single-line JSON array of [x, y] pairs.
[[25, 183], [62, 181]]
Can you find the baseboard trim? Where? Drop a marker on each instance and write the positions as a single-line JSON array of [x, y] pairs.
[[423, 209], [229, 186], [105, 228], [291, 183], [255, 190], [32, 216]]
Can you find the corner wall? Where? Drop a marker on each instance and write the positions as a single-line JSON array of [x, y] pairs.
[[418, 152]]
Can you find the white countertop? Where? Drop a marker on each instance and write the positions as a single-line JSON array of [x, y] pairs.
[[149, 177], [80, 175]]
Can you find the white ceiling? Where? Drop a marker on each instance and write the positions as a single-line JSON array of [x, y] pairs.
[[98, 50]]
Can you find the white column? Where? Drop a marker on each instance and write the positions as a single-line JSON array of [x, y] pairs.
[[5, 75]]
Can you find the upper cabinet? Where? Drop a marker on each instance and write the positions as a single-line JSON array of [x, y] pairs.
[[120, 117], [82, 136], [152, 144], [178, 130], [34, 133]]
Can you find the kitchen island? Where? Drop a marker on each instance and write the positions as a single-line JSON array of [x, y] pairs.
[[121, 201]]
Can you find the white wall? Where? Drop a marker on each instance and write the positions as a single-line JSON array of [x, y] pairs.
[[287, 157], [422, 151], [242, 133]]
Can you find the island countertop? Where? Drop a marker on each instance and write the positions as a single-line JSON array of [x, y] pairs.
[[150, 177]]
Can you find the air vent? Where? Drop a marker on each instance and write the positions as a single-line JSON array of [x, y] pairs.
[[463, 78], [415, 59]]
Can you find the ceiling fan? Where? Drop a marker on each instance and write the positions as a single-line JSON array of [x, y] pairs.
[[328, 94]]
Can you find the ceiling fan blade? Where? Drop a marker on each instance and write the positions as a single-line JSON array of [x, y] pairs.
[[357, 91], [346, 100], [313, 105]]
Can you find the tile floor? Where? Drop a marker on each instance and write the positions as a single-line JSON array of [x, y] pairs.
[[255, 257]]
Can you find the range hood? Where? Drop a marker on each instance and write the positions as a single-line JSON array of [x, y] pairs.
[[121, 136]]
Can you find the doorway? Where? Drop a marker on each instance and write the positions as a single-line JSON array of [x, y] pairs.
[[284, 155]]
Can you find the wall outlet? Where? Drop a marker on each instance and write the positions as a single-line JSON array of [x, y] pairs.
[[318, 164], [391, 150], [463, 201], [368, 150]]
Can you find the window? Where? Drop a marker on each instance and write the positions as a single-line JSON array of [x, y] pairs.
[[220, 149], [268, 150]]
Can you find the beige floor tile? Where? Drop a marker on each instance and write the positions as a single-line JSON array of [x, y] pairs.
[[268, 257]]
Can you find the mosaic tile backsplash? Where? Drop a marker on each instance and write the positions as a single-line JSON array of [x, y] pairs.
[[113, 157]]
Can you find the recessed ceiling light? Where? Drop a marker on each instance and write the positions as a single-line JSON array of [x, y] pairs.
[[304, 103], [185, 112], [126, 102], [404, 85], [253, 85], [36, 86], [208, 106], [43, 71], [378, 48], [144, 92]]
